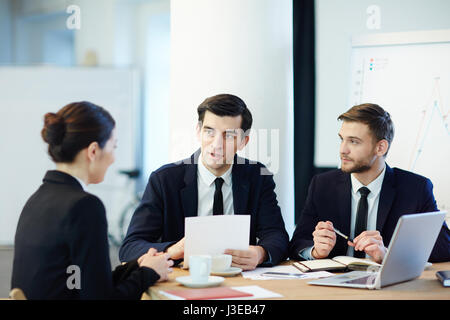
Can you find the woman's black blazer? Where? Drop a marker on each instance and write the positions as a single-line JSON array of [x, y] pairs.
[[61, 247]]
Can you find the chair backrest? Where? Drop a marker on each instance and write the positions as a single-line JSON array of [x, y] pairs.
[[17, 294]]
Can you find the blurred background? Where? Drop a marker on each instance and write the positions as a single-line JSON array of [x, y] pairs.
[[297, 64]]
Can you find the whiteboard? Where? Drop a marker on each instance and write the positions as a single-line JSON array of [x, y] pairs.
[[408, 74], [26, 94]]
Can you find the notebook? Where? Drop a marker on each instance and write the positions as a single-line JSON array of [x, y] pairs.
[[208, 293], [444, 277], [339, 263]]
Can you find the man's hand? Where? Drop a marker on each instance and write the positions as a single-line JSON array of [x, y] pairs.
[[247, 259], [176, 250], [324, 240], [371, 243]]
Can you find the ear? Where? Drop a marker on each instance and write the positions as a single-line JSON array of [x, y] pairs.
[[93, 151], [382, 147], [198, 129], [243, 142]]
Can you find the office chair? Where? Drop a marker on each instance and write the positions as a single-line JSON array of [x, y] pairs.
[[17, 294]]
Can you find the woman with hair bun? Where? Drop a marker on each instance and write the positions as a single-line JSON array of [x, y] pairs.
[[61, 246]]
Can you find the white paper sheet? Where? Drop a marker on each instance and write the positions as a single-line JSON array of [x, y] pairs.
[[257, 273], [213, 234]]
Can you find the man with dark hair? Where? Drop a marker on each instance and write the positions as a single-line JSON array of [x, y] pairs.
[[214, 180], [364, 198]]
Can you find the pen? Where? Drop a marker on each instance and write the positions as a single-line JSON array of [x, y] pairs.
[[342, 235], [282, 274]]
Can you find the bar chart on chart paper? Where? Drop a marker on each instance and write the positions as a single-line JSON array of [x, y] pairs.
[[411, 81]]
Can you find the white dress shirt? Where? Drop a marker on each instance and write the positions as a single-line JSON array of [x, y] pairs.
[[207, 187], [373, 199], [83, 185]]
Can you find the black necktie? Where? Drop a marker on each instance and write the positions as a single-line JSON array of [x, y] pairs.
[[361, 218], [218, 198]]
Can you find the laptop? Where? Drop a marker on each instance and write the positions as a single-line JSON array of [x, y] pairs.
[[414, 238]]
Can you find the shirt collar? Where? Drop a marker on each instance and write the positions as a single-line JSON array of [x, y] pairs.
[[374, 186], [81, 182], [83, 185], [208, 177]]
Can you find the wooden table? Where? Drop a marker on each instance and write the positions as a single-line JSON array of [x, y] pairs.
[[423, 288]]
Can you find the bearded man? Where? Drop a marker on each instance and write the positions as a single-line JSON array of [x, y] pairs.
[[364, 198]]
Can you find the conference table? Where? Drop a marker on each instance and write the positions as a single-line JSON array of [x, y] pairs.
[[426, 287]]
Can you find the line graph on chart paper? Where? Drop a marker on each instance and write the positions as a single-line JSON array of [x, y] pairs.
[[434, 109], [420, 110], [408, 75]]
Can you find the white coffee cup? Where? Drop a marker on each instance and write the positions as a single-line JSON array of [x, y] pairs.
[[221, 262], [199, 268]]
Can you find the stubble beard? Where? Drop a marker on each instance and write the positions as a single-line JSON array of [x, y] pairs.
[[358, 167]]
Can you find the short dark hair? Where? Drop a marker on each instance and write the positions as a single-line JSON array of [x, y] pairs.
[[75, 127], [378, 120], [226, 105]]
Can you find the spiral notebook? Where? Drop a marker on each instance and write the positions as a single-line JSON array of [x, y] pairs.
[[340, 263]]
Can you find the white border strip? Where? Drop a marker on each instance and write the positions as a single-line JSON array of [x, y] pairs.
[[401, 38]]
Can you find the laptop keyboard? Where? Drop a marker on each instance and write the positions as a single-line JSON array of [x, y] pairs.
[[363, 280]]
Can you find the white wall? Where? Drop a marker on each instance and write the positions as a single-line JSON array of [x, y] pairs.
[[43, 39], [337, 21], [99, 20], [5, 32], [134, 33], [26, 94], [37, 32], [28, 7], [242, 47], [153, 55], [123, 33]]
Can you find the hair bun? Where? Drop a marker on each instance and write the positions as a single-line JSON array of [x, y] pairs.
[[54, 129]]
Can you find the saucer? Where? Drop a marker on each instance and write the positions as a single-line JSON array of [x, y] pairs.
[[212, 281], [227, 273]]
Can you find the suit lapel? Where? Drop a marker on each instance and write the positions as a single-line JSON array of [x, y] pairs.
[[344, 198], [239, 178], [189, 194], [241, 187], [387, 196]]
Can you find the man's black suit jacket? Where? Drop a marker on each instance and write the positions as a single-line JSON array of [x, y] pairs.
[[329, 198], [171, 196]]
